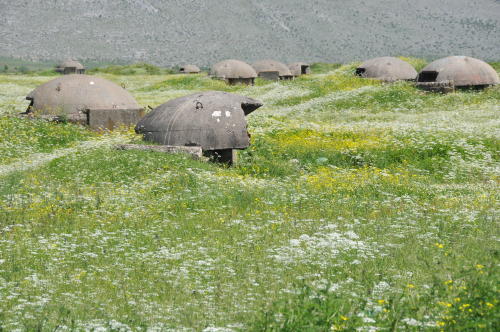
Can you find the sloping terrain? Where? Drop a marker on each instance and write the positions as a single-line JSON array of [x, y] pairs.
[[358, 206], [176, 31]]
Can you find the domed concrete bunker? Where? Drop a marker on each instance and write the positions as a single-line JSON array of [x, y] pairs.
[[212, 120], [189, 69], [84, 99], [299, 68], [272, 70], [70, 67], [457, 71], [234, 72], [387, 69]]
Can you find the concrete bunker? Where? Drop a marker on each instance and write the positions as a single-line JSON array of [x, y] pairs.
[[457, 72], [189, 69], [272, 70], [70, 67], [212, 120], [299, 68], [387, 69], [270, 75], [234, 72], [84, 99]]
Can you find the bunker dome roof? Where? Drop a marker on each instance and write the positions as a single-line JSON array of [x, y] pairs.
[[462, 70], [73, 93], [233, 69], [190, 69], [271, 65], [213, 120], [71, 64], [388, 69]]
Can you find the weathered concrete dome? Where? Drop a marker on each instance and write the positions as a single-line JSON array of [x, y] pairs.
[[189, 69], [299, 68], [272, 66], [74, 96], [233, 69], [388, 69], [70, 67], [71, 63], [74, 93], [463, 71], [213, 120]]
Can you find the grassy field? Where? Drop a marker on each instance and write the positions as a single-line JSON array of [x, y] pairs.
[[359, 206]]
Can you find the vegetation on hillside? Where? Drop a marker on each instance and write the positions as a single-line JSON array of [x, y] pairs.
[[358, 206], [134, 69]]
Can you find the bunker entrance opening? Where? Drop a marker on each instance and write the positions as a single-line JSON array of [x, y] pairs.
[[30, 106], [243, 81], [428, 76], [270, 75], [250, 107], [360, 71], [225, 156]]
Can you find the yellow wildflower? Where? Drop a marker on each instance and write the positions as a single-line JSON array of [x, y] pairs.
[[344, 318], [464, 306], [410, 286], [381, 301], [440, 323], [445, 304], [490, 305], [479, 266], [439, 245]]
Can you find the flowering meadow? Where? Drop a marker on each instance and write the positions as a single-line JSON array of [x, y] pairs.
[[359, 206]]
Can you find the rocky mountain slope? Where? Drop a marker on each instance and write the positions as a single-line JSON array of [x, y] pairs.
[[169, 32]]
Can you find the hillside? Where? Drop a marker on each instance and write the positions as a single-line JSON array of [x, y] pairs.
[[358, 206], [175, 32]]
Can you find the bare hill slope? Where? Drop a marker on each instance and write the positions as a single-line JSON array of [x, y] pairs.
[[170, 32]]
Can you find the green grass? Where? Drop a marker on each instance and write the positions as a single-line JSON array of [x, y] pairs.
[[359, 205], [322, 67], [20, 138]]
